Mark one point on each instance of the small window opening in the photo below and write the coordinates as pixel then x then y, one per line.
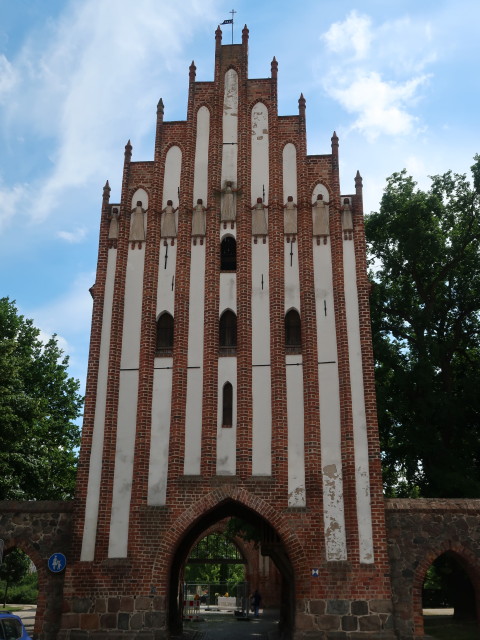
pixel 293 332
pixel 228 333
pixel 227 405
pixel 164 335
pixel 228 254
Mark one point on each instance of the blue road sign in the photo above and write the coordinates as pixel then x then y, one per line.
pixel 57 562
pixel 315 573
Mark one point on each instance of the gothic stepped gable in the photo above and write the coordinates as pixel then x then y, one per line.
pixel 231 374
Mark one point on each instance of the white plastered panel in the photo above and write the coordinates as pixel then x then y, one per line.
pixel 261 421
pixel 193 416
pixel 227 436
pixel 296 437
pixel 124 454
pixel 160 432
pixel 260 153
pixel 330 425
pixel 230 127
pixel 362 473
pixel 289 172
pixel 96 455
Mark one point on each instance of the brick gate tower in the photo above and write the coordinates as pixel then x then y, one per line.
pixel 230 372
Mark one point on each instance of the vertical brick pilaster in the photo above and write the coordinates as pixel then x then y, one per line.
pixel 111 412
pixel 92 374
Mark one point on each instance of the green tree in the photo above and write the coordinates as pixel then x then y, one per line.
pixel 13 568
pixel 425 266
pixel 39 404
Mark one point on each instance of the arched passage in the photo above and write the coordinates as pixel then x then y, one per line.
pixel 271 545
pixel 461 584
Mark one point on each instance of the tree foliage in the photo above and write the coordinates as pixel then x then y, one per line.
pixel 39 403
pixel 13 568
pixel 425 264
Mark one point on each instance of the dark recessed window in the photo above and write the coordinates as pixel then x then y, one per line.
pixel 228 333
pixel 293 332
pixel 164 335
pixel 227 405
pixel 228 254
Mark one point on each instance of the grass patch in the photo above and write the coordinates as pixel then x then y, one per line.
pixel 446 628
pixel 8 609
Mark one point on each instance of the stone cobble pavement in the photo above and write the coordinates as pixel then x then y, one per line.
pixel 227 626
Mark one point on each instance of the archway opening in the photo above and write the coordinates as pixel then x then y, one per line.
pixel 215 573
pixel 450 598
pixel 240 520
pixel 19 586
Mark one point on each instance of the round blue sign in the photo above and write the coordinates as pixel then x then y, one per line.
pixel 57 562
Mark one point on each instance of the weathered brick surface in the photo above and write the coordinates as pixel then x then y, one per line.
pixel 133 597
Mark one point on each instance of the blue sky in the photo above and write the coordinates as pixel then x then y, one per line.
pixel 397 79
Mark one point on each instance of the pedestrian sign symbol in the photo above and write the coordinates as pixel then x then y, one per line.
pixel 57 562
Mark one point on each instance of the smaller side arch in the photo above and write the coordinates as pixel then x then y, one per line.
pixel 465 558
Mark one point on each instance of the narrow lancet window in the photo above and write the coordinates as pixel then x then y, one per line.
pixel 293 332
pixel 227 405
pixel 164 335
pixel 228 333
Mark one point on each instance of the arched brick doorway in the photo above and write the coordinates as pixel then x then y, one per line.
pixel 271 543
pixel 465 559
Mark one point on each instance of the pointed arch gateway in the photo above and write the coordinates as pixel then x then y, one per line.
pixel 235 503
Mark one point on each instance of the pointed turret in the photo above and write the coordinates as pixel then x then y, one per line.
pixel 245 33
pixel 106 192
pixel 301 106
pixel 274 68
pixel 192 71
pixel 358 183
pixel 334 144
pixel 160 109
pixel 218 38
pixel 128 151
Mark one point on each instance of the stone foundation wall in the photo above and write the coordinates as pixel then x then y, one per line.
pixel 344 619
pixel 128 615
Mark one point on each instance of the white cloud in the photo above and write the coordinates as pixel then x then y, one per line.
pixel 380 106
pixel 352 35
pixel 8 77
pixel 11 199
pixel 73 237
pixel 377 72
pixel 90 79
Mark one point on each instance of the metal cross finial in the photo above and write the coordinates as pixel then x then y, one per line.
pixel 233 12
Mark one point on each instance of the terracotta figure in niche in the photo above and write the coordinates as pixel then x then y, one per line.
pixel 290 219
pixel 198 221
pixel 321 224
pixel 228 211
pixel 259 220
pixel 169 229
pixel 347 220
pixel 113 216
pixel 137 225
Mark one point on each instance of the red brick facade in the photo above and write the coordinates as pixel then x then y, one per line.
pixel 116 593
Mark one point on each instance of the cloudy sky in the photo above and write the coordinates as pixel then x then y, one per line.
pixel 397 79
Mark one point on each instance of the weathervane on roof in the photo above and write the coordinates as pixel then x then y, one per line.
pixel 233 12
